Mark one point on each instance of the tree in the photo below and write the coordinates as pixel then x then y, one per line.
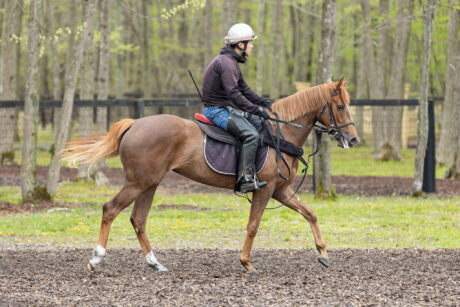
pixel 379 131
pixel 322 167
pixel 276 49
pixel 260 46
pixel 398 77
pixel 207 27
pixel 85 115
pixel 454 164
pixel 54 53
pixel 10 53
pixel 72 28
pixel 444 154
pixel 103 77
pixel 29 147
pixel 422 130
pixel 69 92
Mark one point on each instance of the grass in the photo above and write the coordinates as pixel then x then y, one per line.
pixel 350 222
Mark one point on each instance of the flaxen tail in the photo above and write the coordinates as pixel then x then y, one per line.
pixel 94 148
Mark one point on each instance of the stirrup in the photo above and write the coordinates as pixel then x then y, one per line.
pixel 250 185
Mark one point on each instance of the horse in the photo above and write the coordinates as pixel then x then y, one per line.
pixel 149 147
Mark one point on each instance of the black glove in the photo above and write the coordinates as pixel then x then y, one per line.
pixel 262 113
pixel 267 104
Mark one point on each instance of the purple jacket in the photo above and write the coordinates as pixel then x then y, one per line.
pixel 223 83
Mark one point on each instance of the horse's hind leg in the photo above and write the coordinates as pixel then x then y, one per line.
pixel 110 210
pixel 283 195
pixel 138 219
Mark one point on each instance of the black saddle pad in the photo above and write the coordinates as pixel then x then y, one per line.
pixel 221 157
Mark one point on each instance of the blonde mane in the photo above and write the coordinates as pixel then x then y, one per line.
pixel 307 101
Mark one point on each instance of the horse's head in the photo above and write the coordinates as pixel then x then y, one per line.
pixel 336 116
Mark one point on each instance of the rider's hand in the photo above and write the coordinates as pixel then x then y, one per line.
pixel 267 104
pixel 262 113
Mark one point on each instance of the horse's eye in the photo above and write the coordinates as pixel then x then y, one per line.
pixel 340 107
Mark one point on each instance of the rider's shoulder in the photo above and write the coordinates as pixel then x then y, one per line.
pixel 225 60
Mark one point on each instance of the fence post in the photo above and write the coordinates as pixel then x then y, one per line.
pixel 429 167
pixel 139 109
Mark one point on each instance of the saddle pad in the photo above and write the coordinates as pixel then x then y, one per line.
pixel 221 157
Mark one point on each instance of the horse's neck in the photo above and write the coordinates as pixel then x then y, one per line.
pixel 296 135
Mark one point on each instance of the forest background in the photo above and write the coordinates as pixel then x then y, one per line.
pixel 143 48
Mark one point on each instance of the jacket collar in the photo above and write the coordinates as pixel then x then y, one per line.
pixel 229 50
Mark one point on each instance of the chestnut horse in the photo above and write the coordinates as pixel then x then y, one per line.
pixel 150 147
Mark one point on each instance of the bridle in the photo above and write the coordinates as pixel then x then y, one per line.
pixel 334 129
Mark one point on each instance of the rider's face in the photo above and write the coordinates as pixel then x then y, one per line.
pixel 248 47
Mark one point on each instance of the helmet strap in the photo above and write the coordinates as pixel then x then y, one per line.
pixel 243 50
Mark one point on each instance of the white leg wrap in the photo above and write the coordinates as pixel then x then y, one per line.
pixel 153 262
pixel 98 255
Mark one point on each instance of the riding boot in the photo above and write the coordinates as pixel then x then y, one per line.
pixel 248 134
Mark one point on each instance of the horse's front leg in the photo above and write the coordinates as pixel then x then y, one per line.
pixel 283 195
pixel 259 202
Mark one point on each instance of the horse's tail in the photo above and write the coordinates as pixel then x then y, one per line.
pixel 94 148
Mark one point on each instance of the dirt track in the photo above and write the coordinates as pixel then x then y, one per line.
pixel 47 276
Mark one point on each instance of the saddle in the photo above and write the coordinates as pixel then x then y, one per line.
pixel 220 147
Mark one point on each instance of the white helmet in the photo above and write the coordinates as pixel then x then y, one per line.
pixel 240 32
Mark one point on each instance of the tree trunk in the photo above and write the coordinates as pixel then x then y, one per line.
pixel 397 78
pixel 69 92
pixel 54 53
pixel 145 49
pixel 260 47
pixel 72 25
pixel 322 168
pixel 104 61
pixel 379 131
pixel 85 115
pixel 103 78
pixel 444 154
pixel 276 49
pixel 361 85
pixel 422 127
pixel 10 69
pixel 29 158
pixel 208 26
pixel 454 164
pixel 229 14
pixel 2 7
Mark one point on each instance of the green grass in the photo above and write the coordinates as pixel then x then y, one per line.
pixel 358 222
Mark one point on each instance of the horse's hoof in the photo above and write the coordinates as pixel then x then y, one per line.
pixel 89 268
pixel 157 267
pixel 253 273
pixel 324 261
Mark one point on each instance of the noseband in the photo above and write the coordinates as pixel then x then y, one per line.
pixel 334 129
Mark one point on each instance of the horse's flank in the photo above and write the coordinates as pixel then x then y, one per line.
pixel 306 101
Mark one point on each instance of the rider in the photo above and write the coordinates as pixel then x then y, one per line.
pixel 232 105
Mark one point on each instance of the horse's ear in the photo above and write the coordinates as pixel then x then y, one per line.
pixel 345 83
pixel 339 84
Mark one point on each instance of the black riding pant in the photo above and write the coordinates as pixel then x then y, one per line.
pixel 245 127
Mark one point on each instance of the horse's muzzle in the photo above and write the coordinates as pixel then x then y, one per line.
pixel 348 141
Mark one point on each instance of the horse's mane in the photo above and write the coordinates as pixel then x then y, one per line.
pixel 307 101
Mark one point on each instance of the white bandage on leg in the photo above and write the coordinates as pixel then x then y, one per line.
pixel 98 255
pixel 153 262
